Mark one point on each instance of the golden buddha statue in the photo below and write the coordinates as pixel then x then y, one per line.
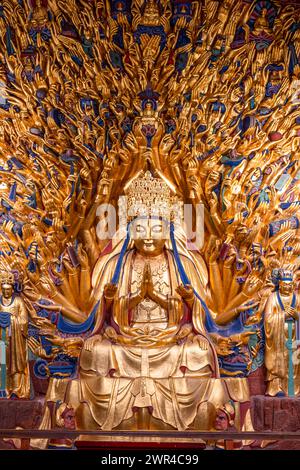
pixel 39 16
pixel 149 363
pixel 151 14
pixel 261 24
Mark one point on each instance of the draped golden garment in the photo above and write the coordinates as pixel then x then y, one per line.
pixel 170 378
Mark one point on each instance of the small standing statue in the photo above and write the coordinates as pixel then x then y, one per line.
pixel 280 331
pixel 15 380
pixel 225 422
pixel 65 419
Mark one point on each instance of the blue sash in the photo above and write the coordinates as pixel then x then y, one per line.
pixel 4 319
pixel 4 324
pixel 66 326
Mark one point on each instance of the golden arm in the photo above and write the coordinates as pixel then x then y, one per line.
pixel 216 283
pixel 85 286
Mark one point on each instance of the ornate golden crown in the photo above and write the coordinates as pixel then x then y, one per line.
pixel 6 277
pixel 150 196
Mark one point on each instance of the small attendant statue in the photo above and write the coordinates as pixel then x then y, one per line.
pixel 15 380
pixel 65 419
pixel 224 422
pixel 280 317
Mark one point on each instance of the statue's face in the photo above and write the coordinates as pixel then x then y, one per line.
pixel 286 287
pixel 241 232
pixel 221 422
pixel 70 419
pixel 7 290
pixel 149 236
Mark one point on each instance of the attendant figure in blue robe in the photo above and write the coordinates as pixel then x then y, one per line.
pixel 15 379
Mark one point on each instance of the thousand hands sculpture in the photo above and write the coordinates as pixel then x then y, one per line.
pixel 211 103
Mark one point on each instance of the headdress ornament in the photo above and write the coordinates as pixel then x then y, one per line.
pixel 150 196
pixel 229 410
pixel 7 277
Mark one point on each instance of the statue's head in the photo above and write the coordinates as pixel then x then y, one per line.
pixel 264 12
pixel 286 282
pixel 241 233
pixel 149 235
pixel 39 4
pixel 221 421
pixel 150 3
pixel 225 417
pixel 148 105
pixel 7 285
pixel 66 417
pixel 7 290
pixel 69 418
pixel 151 207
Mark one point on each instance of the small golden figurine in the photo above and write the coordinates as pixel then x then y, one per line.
pixel 14 326
pixel 281 308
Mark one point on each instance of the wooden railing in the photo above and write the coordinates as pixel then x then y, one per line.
pixel 189 435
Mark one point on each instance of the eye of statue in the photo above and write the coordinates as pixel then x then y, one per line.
pixel 140 229
pixel 157 229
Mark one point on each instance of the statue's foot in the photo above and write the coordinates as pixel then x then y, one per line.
pixel 280 394
pixel 143 418
pixel 14 397
pixel 159 425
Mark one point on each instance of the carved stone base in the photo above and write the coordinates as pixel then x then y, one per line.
pixel 275 414
pixel 268 414
pixel 278 445
pixel 25 414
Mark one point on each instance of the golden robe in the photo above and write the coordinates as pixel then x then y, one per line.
pixel 171 378
pixel 276 352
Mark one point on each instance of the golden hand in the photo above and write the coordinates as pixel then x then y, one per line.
pixel 37 349
pixel 186 292
pixel 111 333
pixel 242 338
pixel 109 292
pixel 81 208
pixel 202 342
pixel 83 257
pixel 214 251
pixel 44 323
pixel 147 284
pixel 184 331
pixel 291 312
pixel 213 203
pixel 252 285
pixel 147 289
pixel 231 257
pixel 90 343
pixel 69 267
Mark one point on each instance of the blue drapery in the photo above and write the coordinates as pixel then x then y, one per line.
pixel 4 319
pixel 236 326
pixel 66 326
